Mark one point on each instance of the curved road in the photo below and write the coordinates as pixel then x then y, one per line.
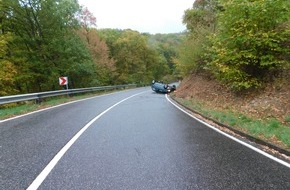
pixel 133 139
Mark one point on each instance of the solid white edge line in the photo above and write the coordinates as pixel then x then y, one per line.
pixel 48 108
pixel 231 137
pixel 45 172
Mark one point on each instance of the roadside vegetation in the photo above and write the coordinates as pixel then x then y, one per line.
pixel 13 109
pixel 244 44
pixel 235 65
pixel 268 129
pixel 41 41
pixel 233 59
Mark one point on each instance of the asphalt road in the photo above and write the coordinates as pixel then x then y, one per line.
pixel 143 142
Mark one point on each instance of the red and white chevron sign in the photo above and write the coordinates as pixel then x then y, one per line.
pixel 63 80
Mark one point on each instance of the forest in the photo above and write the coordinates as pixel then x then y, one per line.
pixel 235 65
pixel 244 44
pixel 238 42
pixel 41 41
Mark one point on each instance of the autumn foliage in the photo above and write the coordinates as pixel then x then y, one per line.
pixel 243 43
pixel 43 40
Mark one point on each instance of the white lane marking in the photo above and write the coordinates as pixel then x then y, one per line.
pixel 12 118
pixel 41 177
pixel 231 137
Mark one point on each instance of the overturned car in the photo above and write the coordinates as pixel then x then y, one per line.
pixel 160 87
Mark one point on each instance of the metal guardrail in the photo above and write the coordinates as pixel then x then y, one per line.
pixel 41 95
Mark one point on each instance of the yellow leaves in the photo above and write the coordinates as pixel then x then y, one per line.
pixel 4 39
pixel 222 67
pixel 7 77
pixel 7 70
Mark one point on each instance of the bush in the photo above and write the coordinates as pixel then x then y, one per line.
pixel 250 42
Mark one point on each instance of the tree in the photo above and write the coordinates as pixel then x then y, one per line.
pixel 7 69
pixel 104 66
pixel 110 36
pixel 130 64
pixel 45 45
pixel 166 45
pixel 201 16
pixel 87 19
pixel 251 42
pixel 148 56
pixel 200 22
pixel 135 60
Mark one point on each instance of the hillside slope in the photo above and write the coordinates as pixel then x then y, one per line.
pixel 256 113
pixel 271 102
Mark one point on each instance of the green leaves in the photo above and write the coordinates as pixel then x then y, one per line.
pixel 132 55
pixel 250 39
pixel 201 23
pixel 7 69
pixel 45 44
pixel 43 40
pixel 140 58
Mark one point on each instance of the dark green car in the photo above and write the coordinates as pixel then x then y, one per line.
pixel 160 87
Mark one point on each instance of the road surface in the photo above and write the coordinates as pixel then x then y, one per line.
pixel 133 139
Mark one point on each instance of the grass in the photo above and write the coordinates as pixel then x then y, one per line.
pixel 287 119
pixel 267 129
pixel 270 130
pixel 14 109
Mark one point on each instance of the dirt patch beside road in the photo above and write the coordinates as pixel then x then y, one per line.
pixel 271 102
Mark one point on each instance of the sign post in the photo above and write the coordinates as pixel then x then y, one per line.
pixel 63 81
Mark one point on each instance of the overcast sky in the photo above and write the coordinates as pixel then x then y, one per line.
pixel 152 16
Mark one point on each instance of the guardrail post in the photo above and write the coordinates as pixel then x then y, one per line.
pixel 38 100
